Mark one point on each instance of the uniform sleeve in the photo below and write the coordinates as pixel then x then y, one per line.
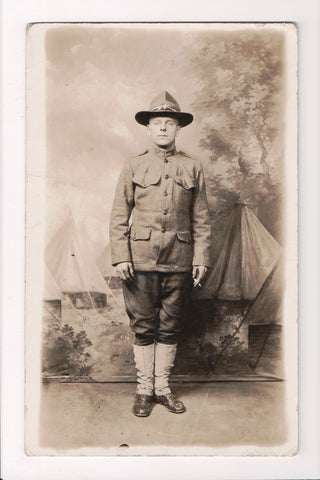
pixel 200 223
pixel 120 215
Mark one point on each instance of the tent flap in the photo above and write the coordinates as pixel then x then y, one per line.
pixel 71 263
pixel 245 255
pixel 51 290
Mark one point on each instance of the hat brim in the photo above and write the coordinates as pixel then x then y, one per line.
pixel 183 118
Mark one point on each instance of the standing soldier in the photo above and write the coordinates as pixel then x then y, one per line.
pixel 160 241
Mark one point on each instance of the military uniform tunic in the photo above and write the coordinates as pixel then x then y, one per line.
pixel 159 219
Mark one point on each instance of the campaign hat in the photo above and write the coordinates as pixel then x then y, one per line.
pixel 164 105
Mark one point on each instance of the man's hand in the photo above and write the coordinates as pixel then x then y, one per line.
pixel 125 271
pixel 198 273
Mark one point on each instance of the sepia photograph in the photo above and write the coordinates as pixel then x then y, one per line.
pixel 161 249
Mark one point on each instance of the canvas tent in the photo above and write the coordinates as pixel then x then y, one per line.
pixel 267 306
pixel 243 257
pixel 263 319
pixel 51 291
pixel 243 289
pixel 73 267
pixel 52 296
pixel 107 270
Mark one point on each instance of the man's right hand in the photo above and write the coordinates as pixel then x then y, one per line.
pixel 125 271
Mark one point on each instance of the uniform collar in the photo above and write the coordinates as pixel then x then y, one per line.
pixel 163 152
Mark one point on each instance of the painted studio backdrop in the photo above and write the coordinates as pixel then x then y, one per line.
pixel 233 81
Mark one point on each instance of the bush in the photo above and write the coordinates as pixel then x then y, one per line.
pixel 64 352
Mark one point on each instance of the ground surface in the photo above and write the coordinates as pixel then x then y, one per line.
pixel 96 419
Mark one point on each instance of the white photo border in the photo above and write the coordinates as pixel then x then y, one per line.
pixel 15 463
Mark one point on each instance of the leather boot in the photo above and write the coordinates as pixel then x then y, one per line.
pixel 142 405
pixel 144 360
pixel 171 402
pixel 164 361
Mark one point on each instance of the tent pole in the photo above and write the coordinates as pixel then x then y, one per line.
pixel 227 258
pixel 241 260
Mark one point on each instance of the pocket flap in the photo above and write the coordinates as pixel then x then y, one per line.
pixel 141 233
pixel 186 182
pixel 184 237
pixel 146 178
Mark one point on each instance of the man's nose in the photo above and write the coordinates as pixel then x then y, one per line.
pixel 163 127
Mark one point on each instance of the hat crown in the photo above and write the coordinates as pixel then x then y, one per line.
pixel 164 105
pixel 164 102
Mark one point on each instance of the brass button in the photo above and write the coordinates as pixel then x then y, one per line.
pixel 166 176
pixel 163 230
pixel 165 194
pixel 166 160
pixel 165 212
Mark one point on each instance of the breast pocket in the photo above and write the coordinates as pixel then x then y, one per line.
pixel 140 244
pixel 146 189
pixel 145 179
pixel 183 191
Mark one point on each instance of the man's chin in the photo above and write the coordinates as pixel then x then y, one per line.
pixel 164 144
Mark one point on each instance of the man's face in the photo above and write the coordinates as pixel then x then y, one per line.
pixel 163 130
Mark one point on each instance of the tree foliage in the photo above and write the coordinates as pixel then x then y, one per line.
pixel 241 104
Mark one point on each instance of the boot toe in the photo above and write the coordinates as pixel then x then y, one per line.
pixel 171 402
pixel 142 405
pixel 178 406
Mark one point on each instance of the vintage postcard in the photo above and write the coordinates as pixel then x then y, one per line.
pixel 161 239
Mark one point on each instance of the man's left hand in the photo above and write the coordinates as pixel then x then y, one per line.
pixel 198 274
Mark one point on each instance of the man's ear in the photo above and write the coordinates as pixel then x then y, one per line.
pixel 178 130
pixel 148 129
